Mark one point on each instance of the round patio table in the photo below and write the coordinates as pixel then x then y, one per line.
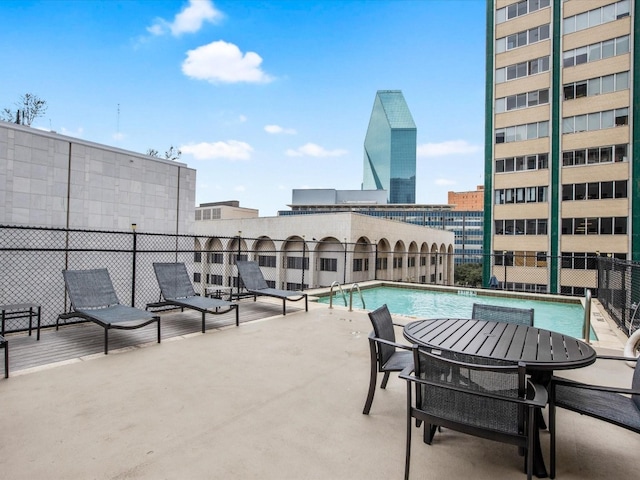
pixel 539 349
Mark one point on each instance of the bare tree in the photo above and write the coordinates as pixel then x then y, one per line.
pixel 172 154
pixel 29 107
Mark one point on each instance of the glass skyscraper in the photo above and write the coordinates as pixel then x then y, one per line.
pixel 390 148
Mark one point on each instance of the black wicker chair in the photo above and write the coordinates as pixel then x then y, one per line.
pixel 93 298
pixel 483 397
pixel 254 282
pixel 384 355
pixel 497 313
pixel 176 289
pixel 4 343
pixel 619 406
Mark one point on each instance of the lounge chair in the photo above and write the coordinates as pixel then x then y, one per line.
pixel 93 298
pixel 384 354
pixel 5 344
pixel 176 289
pixel 497 313
pixel 255 284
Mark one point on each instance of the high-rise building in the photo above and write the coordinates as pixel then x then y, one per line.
pixel 561 169
pixel 390 148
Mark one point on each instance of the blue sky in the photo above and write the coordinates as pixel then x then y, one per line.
pixel 262 97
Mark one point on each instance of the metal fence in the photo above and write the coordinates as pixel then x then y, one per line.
pixel 33 258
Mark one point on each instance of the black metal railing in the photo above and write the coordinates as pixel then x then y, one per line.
pixel 33 258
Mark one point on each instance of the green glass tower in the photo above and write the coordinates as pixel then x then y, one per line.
pixel 390 148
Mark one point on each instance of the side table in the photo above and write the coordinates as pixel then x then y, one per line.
pixel 21 310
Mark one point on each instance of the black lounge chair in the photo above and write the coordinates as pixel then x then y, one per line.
pixel 4 343
pixel 384 354
pixel 619 406
pixel 176 289
pixel 254 282
pixel 497 313
pixel 483 397
pixel 93 298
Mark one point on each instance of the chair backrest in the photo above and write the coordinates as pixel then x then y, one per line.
pixel 173 280
pixel 471 390
pixel 90 289
pixel 383 328
pixel 496 313
pixel 251 275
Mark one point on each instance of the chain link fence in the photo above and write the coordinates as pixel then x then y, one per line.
pixel 33 259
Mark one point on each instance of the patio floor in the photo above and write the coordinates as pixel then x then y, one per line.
pixel 276 398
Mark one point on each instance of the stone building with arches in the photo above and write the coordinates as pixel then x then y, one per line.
pixel 315 250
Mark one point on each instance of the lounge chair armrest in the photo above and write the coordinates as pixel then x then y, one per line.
pixel 387 342
pixel 406 373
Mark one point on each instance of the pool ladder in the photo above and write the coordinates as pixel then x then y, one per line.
pixel 344 296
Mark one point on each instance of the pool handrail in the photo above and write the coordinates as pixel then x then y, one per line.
pixel 344 296
pixel 355 285
pixel 586 329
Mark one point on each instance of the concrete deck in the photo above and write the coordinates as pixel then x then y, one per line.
pixel 279 398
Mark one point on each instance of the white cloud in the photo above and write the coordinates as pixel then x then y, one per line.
pixel 240 188
pixel 313 150
pixel 452 147
pixel 444 182
pixel 118 136
pixel 276 129
pixel 71 133
pixel 189 20
pixel 230 150
pixel 224 62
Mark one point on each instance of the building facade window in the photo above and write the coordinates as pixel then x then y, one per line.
pixel 520 8
pixel 523 69
pixel 594 226
pixel 594 190
pixel 595 17
pixel 521 195
pixel 267 260
pixel 521 226
pixel 611 153
pixel 521 39
pixel 596 86
pixel 515 164
pixel 596 121
pixel 328 264
pixel 522 100
pixel 596 51
pixel 296 263
pixel 518 133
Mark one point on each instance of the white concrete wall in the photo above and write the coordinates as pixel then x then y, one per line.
pixel 52 180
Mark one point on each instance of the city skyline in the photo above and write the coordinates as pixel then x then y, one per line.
pixel 261 98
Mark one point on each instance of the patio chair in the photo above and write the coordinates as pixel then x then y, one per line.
pixel 383 348
pixel 619 406
pixel 4 343
pixel 93 298
pixel 176 289
pixel 497 313
pixel 254 282
pixel 484 397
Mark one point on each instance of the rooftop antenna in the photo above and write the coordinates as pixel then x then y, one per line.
pixel 118 122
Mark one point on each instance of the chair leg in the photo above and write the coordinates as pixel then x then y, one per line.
pixel 552 442
pixel 159 336
pixel 203 315
pixel 373 377
pixel 6 359
pixel 407 459
pixel 284 306
pixel 237 316
pixel 385 380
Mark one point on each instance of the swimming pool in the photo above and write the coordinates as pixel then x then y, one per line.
pixel 561 317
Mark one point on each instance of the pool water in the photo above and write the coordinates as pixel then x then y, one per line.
pixel 566 318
